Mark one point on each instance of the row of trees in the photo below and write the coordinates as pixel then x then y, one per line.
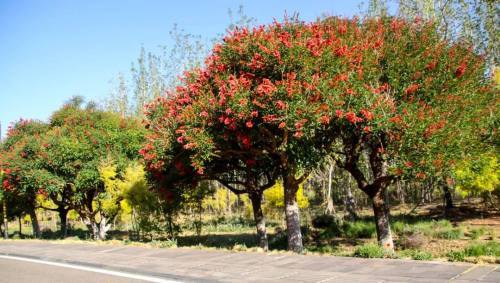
pixel 385 98
pixel 62 161
pixel 381 99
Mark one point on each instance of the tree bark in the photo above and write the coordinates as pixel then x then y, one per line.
pixel 260 221
pixel 103 228
pixel 292 214
pixel 91 226
pixel 381 213
pixel 5 220
pixel 34 223
pixel 349 201
pixel 330 209
pixel 63 216
pixel 376 190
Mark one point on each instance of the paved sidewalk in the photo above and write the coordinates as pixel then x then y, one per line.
pixel 191 265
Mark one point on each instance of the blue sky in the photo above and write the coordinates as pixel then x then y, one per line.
pixel 51 50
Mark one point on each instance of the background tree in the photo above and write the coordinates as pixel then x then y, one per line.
pixel 75 147
pixel 23 176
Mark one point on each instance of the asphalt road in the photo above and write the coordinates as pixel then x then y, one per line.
pixel 192 265
pixel 22 271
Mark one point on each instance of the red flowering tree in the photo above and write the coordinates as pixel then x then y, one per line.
pixel 409 105
pixel 23 178
pixel 256 98
pixel 384 92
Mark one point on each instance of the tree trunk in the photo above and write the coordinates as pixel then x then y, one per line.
pixel 34 223
pixel 448 199
pixel 103 228
pixel 349 202
pixel 381 213
pixel 91 226
pixel 292 215
pixel 330 209
pixel 400 192
pixel 63 216
pixel 260 221
pixel 5 220
pixel 20 221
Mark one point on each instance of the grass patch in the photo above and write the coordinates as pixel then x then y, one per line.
pixel 491 249
pixel 442 229
pixel 450 234
pixel 483 249
pixel 421 255
pixel 456 256
pixel 477 233
pixel 358 229
pixel 369 251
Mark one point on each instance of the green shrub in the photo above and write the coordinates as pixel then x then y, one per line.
pixel 369 251
pixel 421 255
pixel 359 229
pixel 456 256
pixel 483 249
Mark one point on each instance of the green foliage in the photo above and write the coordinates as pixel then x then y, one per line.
pixel 61 160
pixel 369 251
pixel 359 229
pixel 479 174
pixel 491 248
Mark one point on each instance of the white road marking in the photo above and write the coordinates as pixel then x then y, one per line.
pixel 93 269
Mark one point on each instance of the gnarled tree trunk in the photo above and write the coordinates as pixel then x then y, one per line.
pixel 260 221
pixel 376 190
pixel 382 224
